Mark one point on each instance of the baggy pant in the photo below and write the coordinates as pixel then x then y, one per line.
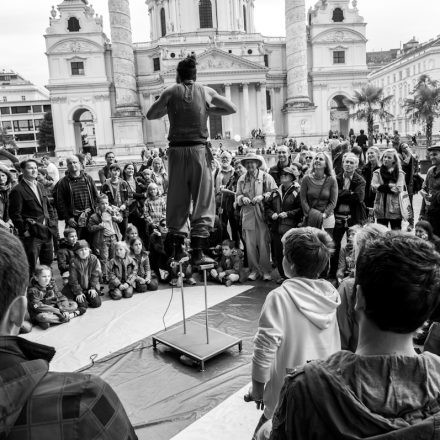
pixel 258 249
pixel 190 179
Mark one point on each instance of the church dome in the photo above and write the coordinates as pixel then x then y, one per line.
pixel 170 17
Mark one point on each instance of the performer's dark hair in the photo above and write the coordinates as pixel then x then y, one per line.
pixel 187 68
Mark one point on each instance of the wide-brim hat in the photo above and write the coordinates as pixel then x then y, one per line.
pixel 251 156
pixel 435 147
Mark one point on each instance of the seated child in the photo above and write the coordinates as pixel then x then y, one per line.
pixel 65 252
pixel 84 275
pixel 158 257
pixel 229 265
pixel 122 273
pixel 144 179
pixel 187 273
pixel 103 225
pixel 155 206
pixel 46 304
pixel 145 280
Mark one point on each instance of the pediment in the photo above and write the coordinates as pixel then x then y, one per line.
pixel 219 60
pixel 75 46
pixel 341 35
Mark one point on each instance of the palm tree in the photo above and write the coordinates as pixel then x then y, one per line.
pixel 425 106
pixel 369 104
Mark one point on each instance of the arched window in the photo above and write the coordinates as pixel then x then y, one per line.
pixel 338 15
pixel 244 18
pixel 163 22
pixel 205 13
pixel 73 25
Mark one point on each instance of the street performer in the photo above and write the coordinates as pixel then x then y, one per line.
pixel 188 105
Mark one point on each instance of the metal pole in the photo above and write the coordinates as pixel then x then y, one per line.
pixel 206 306
pixel 182 295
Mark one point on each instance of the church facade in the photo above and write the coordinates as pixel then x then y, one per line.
pixel 288 87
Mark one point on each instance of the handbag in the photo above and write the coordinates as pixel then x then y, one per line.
pixel 417 183
pixel 406 208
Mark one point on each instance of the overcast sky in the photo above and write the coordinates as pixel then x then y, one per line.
pixel 23 23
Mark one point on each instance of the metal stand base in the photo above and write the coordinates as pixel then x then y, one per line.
pixel 193 343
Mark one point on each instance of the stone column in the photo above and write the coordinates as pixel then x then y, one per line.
pixel 228 119
pixel 246 130
pixel 296 53
pixel 263 90
pixel 127 100
pixel 260 120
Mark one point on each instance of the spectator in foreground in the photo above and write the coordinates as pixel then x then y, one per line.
pixel 26 384
pixel 385 390
pixel 298 319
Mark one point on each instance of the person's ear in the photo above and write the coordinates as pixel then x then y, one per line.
pixel 15 315
pixel 360 299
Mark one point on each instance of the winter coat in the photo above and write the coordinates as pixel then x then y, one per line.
pixel 42 405
pixel 290 203
pixel 353 198
pixel 64 196
pixel 94 226
pixel 232 264
pixel 367 174
pixel 64 256
pixel 347 396
pixel 122 270
pixel 276 170
pixel 297 324
pixel 84 274
pixel 44 299
pixel 125 193
pixel 143 265
pixel 4 195
pixel 386 204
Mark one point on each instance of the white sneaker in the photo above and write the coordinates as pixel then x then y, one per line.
pixel 267 277
pixel 252 276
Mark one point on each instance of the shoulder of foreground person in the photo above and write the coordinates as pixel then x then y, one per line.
pixel 73 405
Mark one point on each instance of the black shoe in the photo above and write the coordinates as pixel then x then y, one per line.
pixel 173 246
pixel 199 258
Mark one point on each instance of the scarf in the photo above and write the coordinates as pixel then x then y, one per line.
pixel 387 176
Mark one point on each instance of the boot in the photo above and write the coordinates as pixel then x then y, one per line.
pixel 174 246
pixel 198 244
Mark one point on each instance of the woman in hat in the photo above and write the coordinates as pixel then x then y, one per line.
pixel 253 188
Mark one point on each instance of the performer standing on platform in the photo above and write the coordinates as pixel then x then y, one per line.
pixel 188 105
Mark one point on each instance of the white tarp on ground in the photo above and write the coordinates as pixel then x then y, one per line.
pixel 117 324
pixel 232 419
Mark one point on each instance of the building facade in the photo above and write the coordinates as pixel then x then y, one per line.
pixel 288 87
pixel 399 76
pixel 22 108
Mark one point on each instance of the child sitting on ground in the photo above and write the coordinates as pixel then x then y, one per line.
pixel 84 275
pixel 65 253
pixel 122 273
pixel 155 206
pixel 230 264
pixel 145 280
pixel 103 225
pixel 46 304
pixel 187 273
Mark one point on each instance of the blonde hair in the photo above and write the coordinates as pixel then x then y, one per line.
pixel 123 245
pixel 395 154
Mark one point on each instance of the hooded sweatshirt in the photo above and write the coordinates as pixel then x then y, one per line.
pixel 356 397
pixel 297 324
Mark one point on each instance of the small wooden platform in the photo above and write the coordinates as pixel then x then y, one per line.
pixel 193 344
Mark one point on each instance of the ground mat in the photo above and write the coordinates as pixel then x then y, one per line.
pixel 161 394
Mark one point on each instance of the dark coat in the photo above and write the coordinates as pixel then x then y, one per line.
pixel 275 172
pixel 367 174
pixel 28 214
pixel 353 197
pixel 64 197
pixel 290 203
